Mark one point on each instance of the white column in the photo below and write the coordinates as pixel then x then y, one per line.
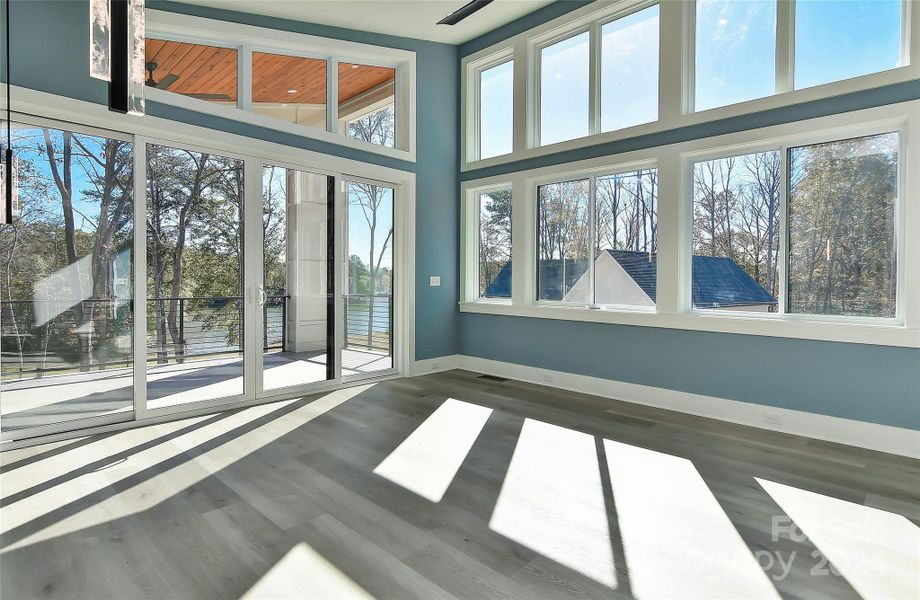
pixel 307 262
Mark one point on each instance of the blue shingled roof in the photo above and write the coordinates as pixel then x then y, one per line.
pixel 717 281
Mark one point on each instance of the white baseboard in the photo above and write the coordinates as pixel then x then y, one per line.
pixel 434 365
pixel 883 438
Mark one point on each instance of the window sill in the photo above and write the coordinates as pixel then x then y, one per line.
pixel 786 326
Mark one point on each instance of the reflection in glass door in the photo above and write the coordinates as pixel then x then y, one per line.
pixel 298 338
pixel 194 299
pixel 368 301
pixel 66 307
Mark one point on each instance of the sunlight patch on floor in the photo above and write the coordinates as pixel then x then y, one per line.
pixel 552 501
pixel 304 573
pixel 160 486
pixel 427 461
pixel 677 540
pixel 293 373
pixel 878 552
pixel 44 470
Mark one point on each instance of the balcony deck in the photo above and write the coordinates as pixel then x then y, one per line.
pixel 46 400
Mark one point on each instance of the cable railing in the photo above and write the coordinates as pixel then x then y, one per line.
pixel 369 322
pixel 48 337
pixel 45 337
pixel 96 335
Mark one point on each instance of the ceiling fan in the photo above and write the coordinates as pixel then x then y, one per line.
pixel 168 80
pixel 463 12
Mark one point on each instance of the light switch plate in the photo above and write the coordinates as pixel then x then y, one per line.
pixel 434 281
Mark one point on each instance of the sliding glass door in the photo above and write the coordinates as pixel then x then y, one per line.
pixel 195 310
pixel 301 300
pixel 296 296
pixel 66 261
pixel 368 302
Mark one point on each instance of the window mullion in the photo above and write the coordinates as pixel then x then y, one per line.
pixel 522 111
pixel 672 239
pixel 244 77
pixel 140 277
pixel 782 266
pixel 785 46
pixel 592 235
pixel 474 278
pixel 523 242
pixel 594 79
pixel 332 95
pixel 675 59
pixel 476 112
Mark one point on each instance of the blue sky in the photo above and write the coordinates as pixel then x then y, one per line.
pixel 28 144
pixel 359 234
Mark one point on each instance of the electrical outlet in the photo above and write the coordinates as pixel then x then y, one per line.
pixel 547 378
pixel 772 418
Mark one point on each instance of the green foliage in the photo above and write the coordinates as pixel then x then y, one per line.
pixel 842 257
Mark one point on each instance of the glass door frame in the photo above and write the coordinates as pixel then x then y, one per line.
pixel 128 414
pixel 140 135
pixel 141 410
pixel 396 296
pixel 255 262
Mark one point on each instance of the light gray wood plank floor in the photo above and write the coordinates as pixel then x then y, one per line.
pixel 451 485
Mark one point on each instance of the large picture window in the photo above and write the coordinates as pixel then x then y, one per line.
pixel 736 232
pixel 842 244
pixel 596 240
pixel 799 230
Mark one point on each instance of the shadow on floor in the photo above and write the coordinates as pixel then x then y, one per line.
pixel 287 495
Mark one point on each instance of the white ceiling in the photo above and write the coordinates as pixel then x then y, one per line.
pixel 406 18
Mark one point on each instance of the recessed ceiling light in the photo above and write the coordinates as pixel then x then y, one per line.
pixel 292 91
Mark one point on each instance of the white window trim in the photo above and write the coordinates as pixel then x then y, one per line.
pixel 248 38
pixel 675 203
pixel 675 73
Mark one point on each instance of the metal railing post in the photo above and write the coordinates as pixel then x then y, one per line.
pixel 284 300
pixel 181 354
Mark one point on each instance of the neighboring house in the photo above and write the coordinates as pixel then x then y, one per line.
pixel 629 278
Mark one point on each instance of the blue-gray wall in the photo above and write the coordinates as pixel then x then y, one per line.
pixel 50 41
pixel 870 383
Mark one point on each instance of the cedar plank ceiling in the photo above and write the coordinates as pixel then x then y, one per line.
pixel 211 70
